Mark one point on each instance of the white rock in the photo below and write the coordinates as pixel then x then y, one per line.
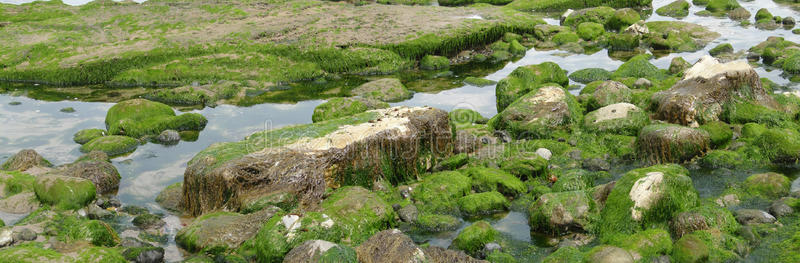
pixel 5 237
pixel 709 67
pixel 638 29
pixel 544 153
pixel 645 193
pixel 328 223
pixel 292 223
pixel 321 245
pixel 615 111
pixel 566 14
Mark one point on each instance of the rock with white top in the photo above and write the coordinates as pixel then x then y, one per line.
pixel 619 118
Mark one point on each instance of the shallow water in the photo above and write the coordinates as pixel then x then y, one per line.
pixel 41 126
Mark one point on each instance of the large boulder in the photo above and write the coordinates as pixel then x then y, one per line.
pixel 610 92
pixel 64 192
pixel 707 88
pixel 111 145
pixel 666 143
pixel 140 117
pixel 608 254
pixel 474 237
pixel 526 79
pixel 24 160
pixel 94 167
pixel 539 113
pixel 358 211
pixel 561 212
pixel 222 231
pixel 620 118
pixel 390 246
pixel 647 197
pixel 306 159
pixel 767 185
pixel 388 90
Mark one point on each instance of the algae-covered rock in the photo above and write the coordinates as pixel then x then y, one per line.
pixel 388 90
pixel 390 246
pixel 703 218
pixel 64 192
pixel 678 36
pixel 598 15
pixel 539 113
pixel 437 223
pixel 620 118
pixel 473 238
pixel 678 65
pixel 339 107
pixel 706 88
pixel 646 245
pixel 358 212
pixel 608 254
pixel 430 62
pixel 690 249
pixel 321 251
pixel 111 145
pixel 96 168
pixel 344 151
pixel 437 254
pixel 285 231
pixel 590 30
pixel 767 185
pixel 623 42
pixel 170 197
pixel 488 179
pixel 623 18
pixel 709 246
pixel 439 192
pixel 24 160
pixel 485 203
pixel 664 143
pixel 610 92
pixel 140 117
pixel 719 132
pixel 721 6
pixel 565 254
pixel 646 197
pixel 561 212
pixel 33 252
pixel 588 75
pixel 565 37
pixel 222 231
pixel 86 135
pixel 479 82
pixel 526 79
pixel 678 9
pixel 637 67
pixel 724 48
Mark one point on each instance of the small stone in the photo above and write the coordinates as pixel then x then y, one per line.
pixel 68 110
pixel 169 137
pixel 15 103
pixel 544 153
pixel 96 212
pixel 779 208
pixel 753 216
pixel 6 237
pixel 728 200
pixel 408 213
pixel 642 83
pixel 596 164
pixel 491 247
pixel 24 234
pixel 575 155
pixel 788 21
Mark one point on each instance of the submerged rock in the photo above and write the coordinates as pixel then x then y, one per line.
pixel 283 161
pixel 539 113
pixel 24 160
pixel 707 88
pixel 388 90
pixel 340 107
pixel 168 137
pixel 679 8
pixel 111 145
pixel 475 237
pixel 767 185
pixel 390 246
pixel 666 143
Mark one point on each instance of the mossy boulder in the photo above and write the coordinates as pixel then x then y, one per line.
pixel 283 232
pixel 485 203
pixel 439 192
pixel 767 185
pixel 598 15
pixel 690 249
pixel 719 132
pixel 72 228
pixel 539 113
pixel 489 179
pixel 638 67
pixel 724 48
pixel 678 65
pixel 86 135
pixel 722 159
pixel 339 107
pixel 140 117
pixel 665 143
pixel 321 251
pixel 64 192
pixel 678 9
pixel 620 118
pixel 608 254
pixel 623 42
pixel 437 223
pixel 678 36
pixel 588 75
pixel 561 212
pixel 623 18
pixel 610 92
pixel 24 160
pixel 170 197
pixel 645 198
pixel 574 180
pixel 565 37
pixel 431 62
pixel 222 231
pixel 96 168
pixel 707 88
pixel 721 6
pixel 479 82
pixel 763 13
pixel 112 145
pixel 461 117
pixel 358 212
pixel 780 146
pixel 565 254
pixel 709 216
pixel 590 31
pixel 388 90
pixel 390 246
pixel 526 79
pixel 474 237
pixel 32 252
pixel 646 245
pixel 742 111
pixel 709 246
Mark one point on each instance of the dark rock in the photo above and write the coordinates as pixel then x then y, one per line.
pixel 145 254
pixel 223 230
pixel 24 160
pixel 96 212
pixel 95 167
pixel 753 216
pixel 688 222
pixel 503 136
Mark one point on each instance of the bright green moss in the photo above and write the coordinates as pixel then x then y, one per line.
pixel 139 117
pixel 337 108
pixel 721 247
pixel 623 42
pixel 590 30
pixel 574 180
pixel 64 192
pixel 767 185
pixel 588 75
pixel 721 49
pixel 473 238
pixel 623 18
pixel 792 64
pixel 565 254
pixel 631 124
pixel 32 252
pixel 516 48
pixel 461 117
pixel 690 249
pixel 488 179
pixel 561 212
pixel 454 162
pixel 478 82
pixel 100 254
pixel 753 130
pixel 527 79
pixel 779 145
pixel 525 166
pixel 677 36
pixel 716 6
pixel 719 132
pixel 358 212
pixel 722 159
pixel 717 217
pixel 485 203
pixel 743 112
pixel 112 145
pixel 271 243
pixel 71 228
pixel 638 67
pixel 562 5
pixel 649 244
pixel 86 135
pixel 16 182
pixel 437 223
pixel 678 9
pixel 565 37
pixel 439 192
pixel 430 62
pixel 501 257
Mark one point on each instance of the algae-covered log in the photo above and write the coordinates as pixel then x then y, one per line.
pixel 706 88
pixel 396 144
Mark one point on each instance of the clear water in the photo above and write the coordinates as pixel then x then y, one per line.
pixel 41 126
